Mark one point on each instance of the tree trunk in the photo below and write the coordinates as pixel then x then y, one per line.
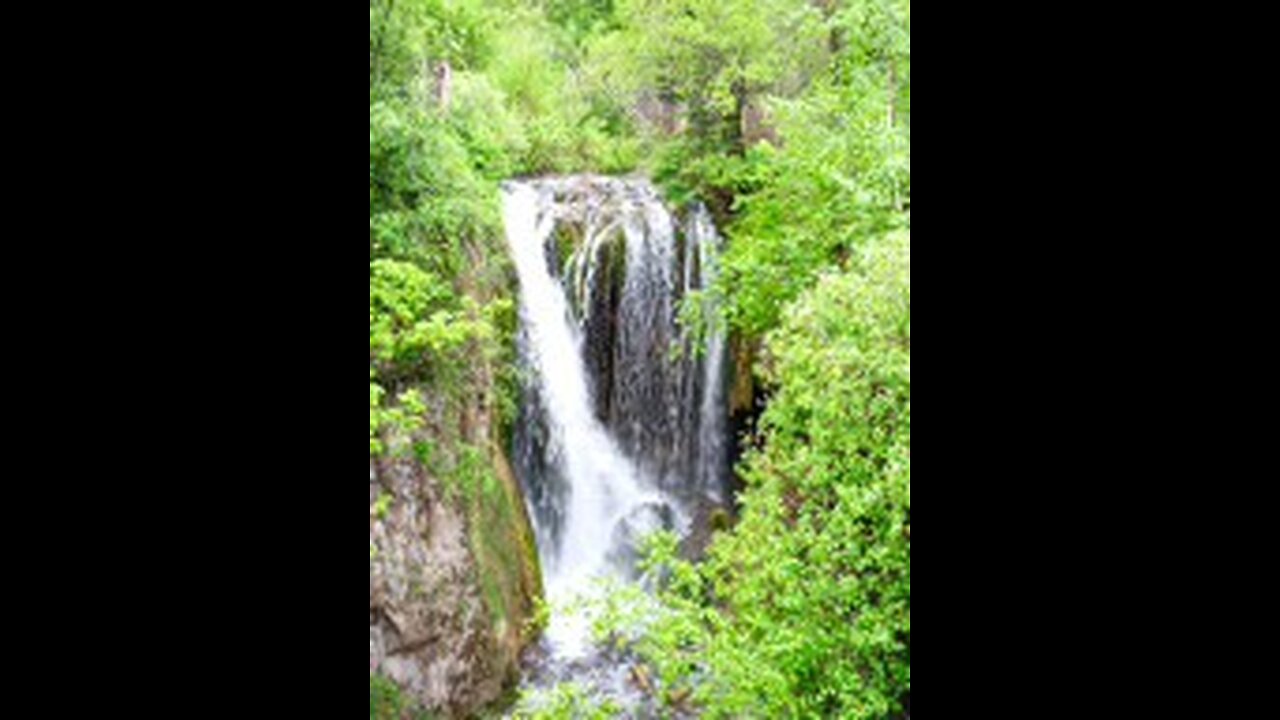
pixel 444 85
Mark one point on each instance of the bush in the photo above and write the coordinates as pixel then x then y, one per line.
pixel 804 608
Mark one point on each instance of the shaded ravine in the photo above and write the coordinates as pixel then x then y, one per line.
pixel 622 428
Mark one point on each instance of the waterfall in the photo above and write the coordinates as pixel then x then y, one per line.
pixel 622 424
pixel 713 447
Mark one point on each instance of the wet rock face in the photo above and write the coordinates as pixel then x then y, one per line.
pixel 535 457
pixel 429 631
pixel 601 324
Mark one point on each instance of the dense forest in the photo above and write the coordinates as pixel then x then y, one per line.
pixel 790 122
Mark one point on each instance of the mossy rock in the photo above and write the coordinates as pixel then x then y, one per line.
pixel 565 241
pixel 720 520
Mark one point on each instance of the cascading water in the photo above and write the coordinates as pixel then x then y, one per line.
pixel 622 427
pixel 712 436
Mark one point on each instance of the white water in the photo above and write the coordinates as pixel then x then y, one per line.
pixel 711 429
pixel 603 485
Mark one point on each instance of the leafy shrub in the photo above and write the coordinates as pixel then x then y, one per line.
pixel 804 608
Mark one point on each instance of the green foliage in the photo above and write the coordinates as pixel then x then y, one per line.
pixel 706 61
pixel 582 18
pixel 415 323
pixel 843 175
pixel 418 332
pixel 437 282
pixel 427 197
pixel 567 124
pixel 387 703
pixel 566 701
pixel 405 33
pixel 804 608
